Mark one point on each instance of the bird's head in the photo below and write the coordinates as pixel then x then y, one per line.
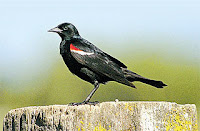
pixel 65 30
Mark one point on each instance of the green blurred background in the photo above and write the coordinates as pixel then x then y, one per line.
pixel 156 39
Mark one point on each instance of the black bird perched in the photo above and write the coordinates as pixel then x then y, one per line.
pixel 92 64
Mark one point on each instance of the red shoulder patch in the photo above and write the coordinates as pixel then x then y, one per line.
pixel 74 48
pixel 78 51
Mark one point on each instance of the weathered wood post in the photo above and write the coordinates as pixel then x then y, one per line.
pixel 112 116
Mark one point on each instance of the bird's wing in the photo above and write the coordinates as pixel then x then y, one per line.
pixel 116 61
pixel 86 46
pixel 94 59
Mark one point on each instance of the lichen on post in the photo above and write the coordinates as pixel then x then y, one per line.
pixel 127 115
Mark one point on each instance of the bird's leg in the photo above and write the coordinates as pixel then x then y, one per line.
pixel 96 86
pixel 86 101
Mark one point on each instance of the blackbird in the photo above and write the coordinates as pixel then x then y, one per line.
pixel 92 64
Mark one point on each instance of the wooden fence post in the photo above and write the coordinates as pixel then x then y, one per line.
pixel 112 116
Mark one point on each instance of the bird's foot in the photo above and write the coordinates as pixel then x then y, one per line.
pixel 84 103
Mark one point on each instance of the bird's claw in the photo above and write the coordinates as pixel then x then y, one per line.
pixel 84 103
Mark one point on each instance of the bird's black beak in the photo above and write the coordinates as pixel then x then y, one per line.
pixel 56 29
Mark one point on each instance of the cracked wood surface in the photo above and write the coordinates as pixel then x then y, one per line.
pixel 112 116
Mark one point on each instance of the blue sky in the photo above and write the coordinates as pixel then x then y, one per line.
pixel 27 49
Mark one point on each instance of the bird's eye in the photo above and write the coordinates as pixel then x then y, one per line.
pixel 65 28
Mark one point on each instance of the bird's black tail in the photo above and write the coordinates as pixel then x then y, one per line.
pixel 158 84
pixel 131 76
